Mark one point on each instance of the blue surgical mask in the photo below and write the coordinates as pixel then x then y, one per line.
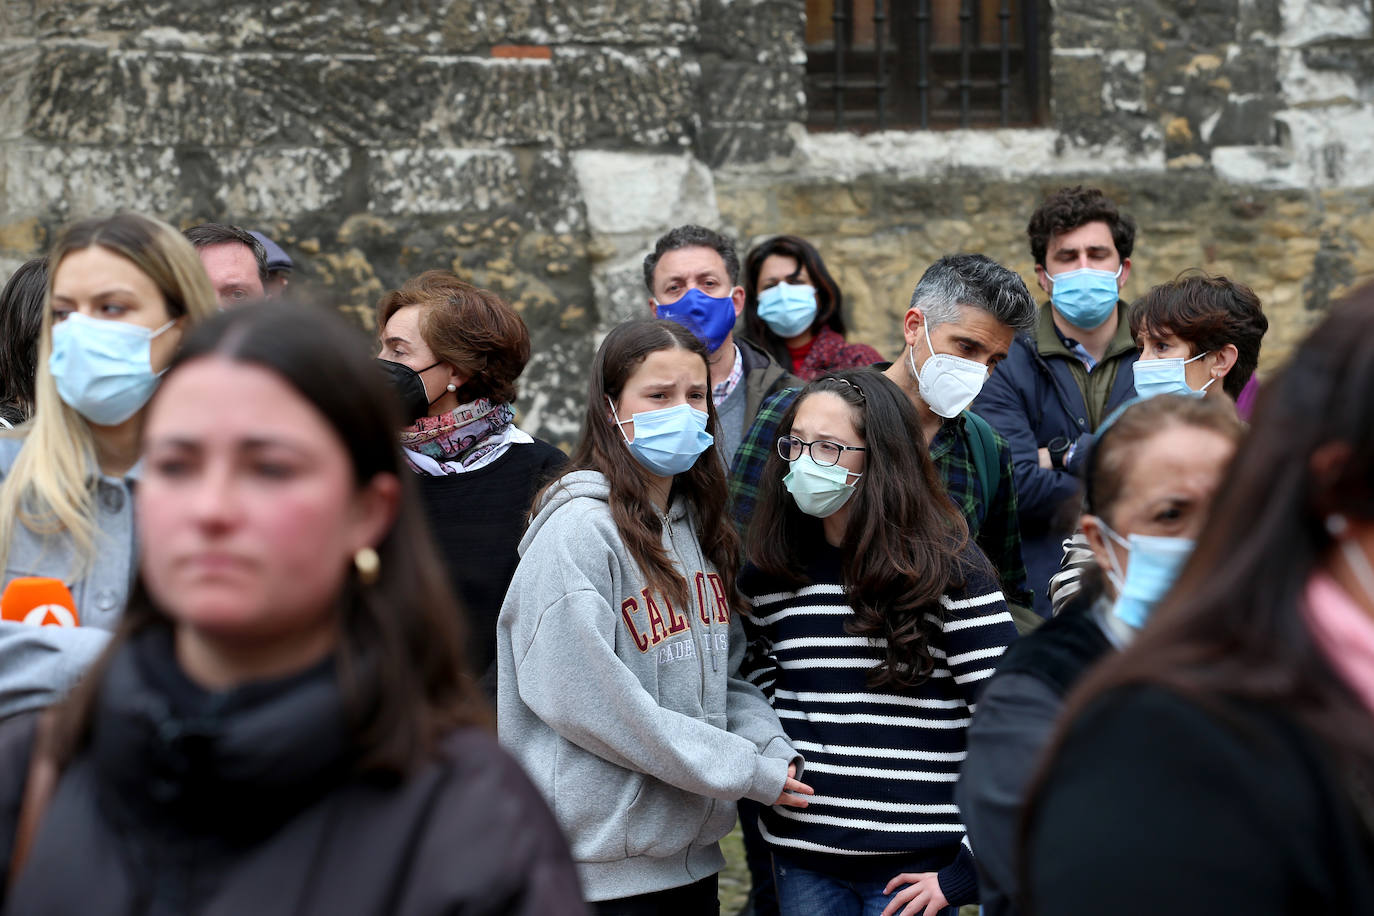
pixel 789 309
pixel 667 441
pixel 709 318
pixel 1166 376
pixel 103 369
pixel 1153 565
pixel 1086 297
pixel 819 491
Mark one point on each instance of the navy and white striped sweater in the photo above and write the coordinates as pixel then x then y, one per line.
pixel 883 762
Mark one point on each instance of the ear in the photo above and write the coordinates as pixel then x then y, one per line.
pixel 1097 541
pixel 1224 360
pixel 911 326
pixel 653 308
pixel 737 294
pixel 1042 278
pixel 456 379
pixel 376 505
pixel 1125 273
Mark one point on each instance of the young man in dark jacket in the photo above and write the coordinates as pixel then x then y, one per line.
pixel 693 278
pixel 1060 383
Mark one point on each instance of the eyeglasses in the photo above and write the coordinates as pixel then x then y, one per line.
pixel 823 452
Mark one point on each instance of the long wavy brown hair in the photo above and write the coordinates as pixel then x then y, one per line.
pixel 602 448
pixel 905 544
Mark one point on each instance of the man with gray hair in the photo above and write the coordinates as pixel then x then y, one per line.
pixel 963 316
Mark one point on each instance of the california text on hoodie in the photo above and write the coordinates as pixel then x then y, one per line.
pixel 625 709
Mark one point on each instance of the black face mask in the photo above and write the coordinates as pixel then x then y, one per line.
pixel 410 387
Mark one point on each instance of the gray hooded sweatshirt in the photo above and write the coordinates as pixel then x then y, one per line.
pixel 626 710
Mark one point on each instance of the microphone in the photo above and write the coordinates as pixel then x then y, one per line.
pixel 39 601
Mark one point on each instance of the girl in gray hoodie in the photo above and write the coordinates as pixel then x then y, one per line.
pixel 618 646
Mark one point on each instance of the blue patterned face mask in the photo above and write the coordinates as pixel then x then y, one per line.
pixel 103 369
pixel 1166 376
pixel 1152 567
pixel 788 309
pixel 667 441
pixel 1086 297
pixel 711 319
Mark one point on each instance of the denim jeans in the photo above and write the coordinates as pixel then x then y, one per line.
pixel 804 892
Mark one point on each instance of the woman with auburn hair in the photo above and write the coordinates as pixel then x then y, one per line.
pixel 122 292
pixel 283 721
pixel 877 622
pixel 619 641
pixel 454 352
pixel 794 309
pixel 1224 761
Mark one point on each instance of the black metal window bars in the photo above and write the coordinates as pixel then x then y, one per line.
pixel 907 71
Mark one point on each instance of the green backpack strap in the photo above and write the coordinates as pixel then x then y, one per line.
pixel 982 445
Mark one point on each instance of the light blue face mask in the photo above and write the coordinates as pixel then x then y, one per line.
pixel 103 369
pixel 667 441
pixel 789 309
pixel 819 491
pixel 1085 297
pixel 1152 567
pixel 1166 376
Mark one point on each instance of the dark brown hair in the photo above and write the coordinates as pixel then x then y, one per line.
pixel 21 323
pixel 1207 313
pixel 1067 209
pixel 400 659
pixel 208 234
pixel 602 448
pixel 829 299
pixel 471 329
pixel 1232 627
pixel 904 545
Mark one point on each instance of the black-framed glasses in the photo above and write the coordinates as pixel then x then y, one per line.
pixel 823 451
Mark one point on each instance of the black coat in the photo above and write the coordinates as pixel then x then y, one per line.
pixel 1156 805
pixel 250 803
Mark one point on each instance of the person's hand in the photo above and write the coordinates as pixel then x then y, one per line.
pixel 793 789
pixel 1045 461
pixel 921 897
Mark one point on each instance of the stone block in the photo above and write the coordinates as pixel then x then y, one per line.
pixel 643 195
pixel 63 184
pixel 725 145
pixel 406 181
pixel 1090 24
pixel 747 93
pixel 1246 121
pixel 770 33
pixel 645 97
pixel 17 19
pixel 275 183
pixel 660 22
pixel 1077 88
pixel 16 66
pixel 1308 21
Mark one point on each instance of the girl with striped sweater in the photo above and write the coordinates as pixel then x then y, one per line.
pixel 875 622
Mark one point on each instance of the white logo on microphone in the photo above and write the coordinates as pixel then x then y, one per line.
pixel 62 617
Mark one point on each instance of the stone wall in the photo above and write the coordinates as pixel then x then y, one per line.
pixel 538 148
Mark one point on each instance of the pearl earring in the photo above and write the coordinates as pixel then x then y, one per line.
pixel 452 387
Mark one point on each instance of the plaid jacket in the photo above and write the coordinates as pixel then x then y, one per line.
pixel 999 535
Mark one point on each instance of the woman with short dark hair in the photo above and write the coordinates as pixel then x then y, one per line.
pixel 454 352
pixel 794 309
pixel 1223 762
pixel 283 722
pixel 1194 332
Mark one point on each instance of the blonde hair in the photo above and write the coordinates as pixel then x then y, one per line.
pixel 48 487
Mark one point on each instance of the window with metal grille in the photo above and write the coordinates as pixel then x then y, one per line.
pixel 881 64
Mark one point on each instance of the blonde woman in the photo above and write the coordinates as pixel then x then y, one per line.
pixel 121 293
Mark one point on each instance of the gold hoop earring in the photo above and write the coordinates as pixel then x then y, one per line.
pixel 368 564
